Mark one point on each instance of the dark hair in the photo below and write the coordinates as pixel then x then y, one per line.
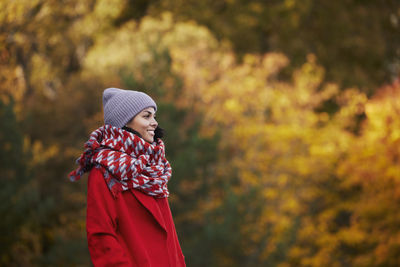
pixel 158 132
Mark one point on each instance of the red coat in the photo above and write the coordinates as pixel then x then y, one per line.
pixel 133 229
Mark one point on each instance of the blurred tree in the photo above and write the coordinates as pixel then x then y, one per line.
pixel 357 42
pixel 373 167
pixel 281 150
pixel 357 225
pixel 282 202
pixel 263 174
pixel 42 45
pixel 18 193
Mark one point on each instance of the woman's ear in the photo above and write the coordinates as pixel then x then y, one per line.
pixel 158 133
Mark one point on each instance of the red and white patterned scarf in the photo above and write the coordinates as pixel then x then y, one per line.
pixel 126 161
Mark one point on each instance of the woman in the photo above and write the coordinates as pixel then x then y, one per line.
pixel 128 221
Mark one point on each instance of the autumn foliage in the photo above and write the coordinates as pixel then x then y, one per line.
pixel 270 169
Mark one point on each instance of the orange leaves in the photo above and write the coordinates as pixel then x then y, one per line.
pixel 300 184
pixel 372 165
pixel 379 143
pixel 278 143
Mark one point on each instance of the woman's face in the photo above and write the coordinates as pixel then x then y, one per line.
pixel 145 123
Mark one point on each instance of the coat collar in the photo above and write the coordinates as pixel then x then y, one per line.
pixel 151 205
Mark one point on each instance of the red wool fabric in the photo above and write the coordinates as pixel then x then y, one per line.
pixel 149 237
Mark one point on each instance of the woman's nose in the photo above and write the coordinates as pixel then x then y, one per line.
pixel 154 122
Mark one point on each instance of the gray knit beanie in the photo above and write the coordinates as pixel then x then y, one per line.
pixel 120 106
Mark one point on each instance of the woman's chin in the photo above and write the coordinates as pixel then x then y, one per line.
pixel 149 139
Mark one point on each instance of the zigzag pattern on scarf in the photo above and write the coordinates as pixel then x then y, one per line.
pixel 126 160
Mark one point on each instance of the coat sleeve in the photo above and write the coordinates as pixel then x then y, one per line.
pixel 101 224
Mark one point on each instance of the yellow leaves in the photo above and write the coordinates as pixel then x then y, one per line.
pixel 290 205
pixel 150 24
pixel 231 105
pixel 352 236
pixel 282 145
pixel 274 62
pixel 276 140
pixel 15 11
pixel 40 154
pixel 379 143
pixel 386 251
pixel 309 75
pixel 299 161
pixel 240 92
pixel 150 45
pixel 352 103
pixel 289 3
pixel 42 73
pixel 107 10
pixel 187 35
pixel 372 165
pixel 270 193
pixel 97 62
pixel 383 115
pixel 322 150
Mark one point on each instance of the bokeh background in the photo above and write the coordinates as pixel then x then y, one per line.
pixel 282 120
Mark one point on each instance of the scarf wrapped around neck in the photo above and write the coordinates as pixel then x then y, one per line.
pixel 126 161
